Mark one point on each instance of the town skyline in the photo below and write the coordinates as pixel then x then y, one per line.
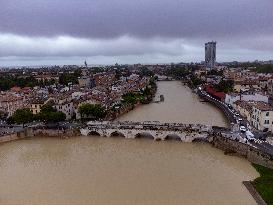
pixel 81 63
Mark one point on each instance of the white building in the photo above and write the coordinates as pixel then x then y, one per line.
pixel 64 104
pixel 233 97
pixel 262 116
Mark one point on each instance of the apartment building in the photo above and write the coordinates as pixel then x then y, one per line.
pixel 262 116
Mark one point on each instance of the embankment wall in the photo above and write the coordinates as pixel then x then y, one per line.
pixel 251 153
pixel 30 133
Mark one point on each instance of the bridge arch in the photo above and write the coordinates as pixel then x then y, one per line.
pixel 146 135
pixel 173 137
pixel 117 134
pixel 94 133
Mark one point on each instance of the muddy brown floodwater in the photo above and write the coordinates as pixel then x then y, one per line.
pixel 117 171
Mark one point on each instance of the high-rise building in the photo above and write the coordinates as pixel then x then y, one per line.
pixel 210 55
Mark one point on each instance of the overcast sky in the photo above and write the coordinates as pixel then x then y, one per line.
pixel 39 32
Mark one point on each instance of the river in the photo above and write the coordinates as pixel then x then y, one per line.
pixel 180 105
pixel 100 171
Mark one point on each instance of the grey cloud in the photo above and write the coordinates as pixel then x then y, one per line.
pixel 125 49
pixel 14 45
pixel 140 18
pixel 132 31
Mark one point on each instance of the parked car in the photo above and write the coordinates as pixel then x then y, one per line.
pixel 243 129
pixel 250 136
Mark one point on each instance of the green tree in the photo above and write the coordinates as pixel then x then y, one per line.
pixel 49 114
pixel 268 68
pixel 3 115
pixel 22 116
pixel 146 72
pixel 66 78
pixel 91 111
pixel 225 86
pixel 129 98
pixel 8 81
pixel 177 71
pixel 215 72
pixel 10 120
pixel 195 81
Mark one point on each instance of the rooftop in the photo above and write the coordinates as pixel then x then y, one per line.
pixel 263 106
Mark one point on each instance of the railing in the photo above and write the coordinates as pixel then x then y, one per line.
pixel 150 126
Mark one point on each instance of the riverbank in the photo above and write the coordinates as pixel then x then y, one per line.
pixel 218 104
pixel 40 132
pixel 262 187
pixel 133 100
pixel 264 183
pixel 256 196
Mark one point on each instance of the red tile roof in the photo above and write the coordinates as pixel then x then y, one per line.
pixel 209 89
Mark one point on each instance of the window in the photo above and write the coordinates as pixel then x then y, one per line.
pixel 267 114
pixel 266 122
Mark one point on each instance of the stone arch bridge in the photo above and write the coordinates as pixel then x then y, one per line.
pixel 154 130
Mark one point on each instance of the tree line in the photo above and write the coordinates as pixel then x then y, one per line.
pixel 264 68
pixel 9 81
pixel 48 114
pixel 225 86
pixel 66 78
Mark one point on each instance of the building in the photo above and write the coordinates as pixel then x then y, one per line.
pixel 10 103
pixel 215 94
pixel 63 103
pixel 244 108
pixel 246 85
pixel 247 96
pixel 47 77
pixel 210 55
pixel 270 87
pixel 105 78
pixel 262 116
pixel 37 103
pixel 86 82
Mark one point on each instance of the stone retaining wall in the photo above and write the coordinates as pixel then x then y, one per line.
pixel 13 136
pixel 7 138
pixel 252 154
pixel 51 133
pixel 30 132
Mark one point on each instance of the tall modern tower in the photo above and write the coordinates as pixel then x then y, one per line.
pixel 210 55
